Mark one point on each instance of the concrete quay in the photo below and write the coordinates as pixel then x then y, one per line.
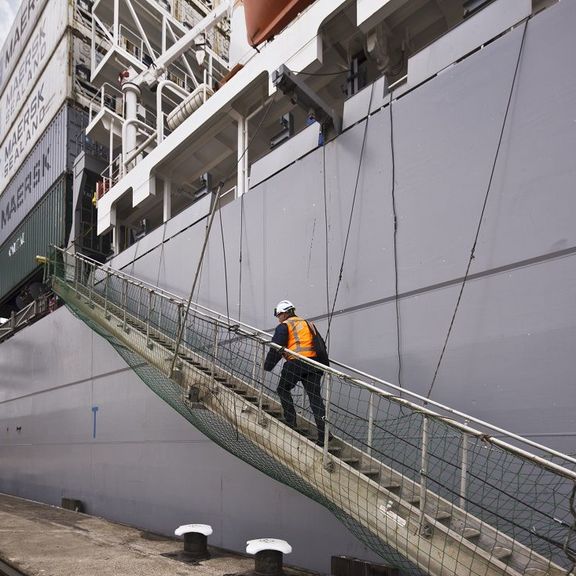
pixel 41 540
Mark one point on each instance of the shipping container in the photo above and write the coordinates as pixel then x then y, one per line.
pixel 45 225
pixel 37 53
pixel 19 34
pixel 46 98
pixel 53 155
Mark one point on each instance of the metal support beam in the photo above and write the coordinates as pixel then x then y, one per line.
pixel 289 83
pixel 167 204
pixel 177 49
pixel 140 29
pixel 242 153
pixel 183 58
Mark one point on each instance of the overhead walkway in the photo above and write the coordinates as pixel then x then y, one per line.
pixel 412 479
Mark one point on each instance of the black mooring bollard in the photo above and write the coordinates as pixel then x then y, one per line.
pixel 195 540
pixel 268 563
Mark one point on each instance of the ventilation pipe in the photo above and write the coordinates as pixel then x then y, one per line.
pixel 131 96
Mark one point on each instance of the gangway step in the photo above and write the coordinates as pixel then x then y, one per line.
pixel 370 472
pixel 269 409
pixel 229 385
pixel 471 533
pixel 501 552
pixel 442 515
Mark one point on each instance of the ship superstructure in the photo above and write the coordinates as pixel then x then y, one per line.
pixel 282 85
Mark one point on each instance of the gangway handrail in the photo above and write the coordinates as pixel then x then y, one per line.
pixel 258 334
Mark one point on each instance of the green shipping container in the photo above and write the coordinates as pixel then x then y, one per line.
pixel 44 225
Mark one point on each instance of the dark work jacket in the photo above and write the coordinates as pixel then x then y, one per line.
pixel 274 356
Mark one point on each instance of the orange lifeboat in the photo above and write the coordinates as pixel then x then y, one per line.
pixel 265 18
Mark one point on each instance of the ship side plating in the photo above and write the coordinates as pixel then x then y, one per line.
pixel 75 422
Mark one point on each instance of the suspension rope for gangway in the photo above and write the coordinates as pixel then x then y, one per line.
pixel 215 205
pixel 358 171
pixel 395 239
pixel 483 210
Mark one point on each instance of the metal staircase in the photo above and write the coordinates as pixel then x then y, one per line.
pixel 418 485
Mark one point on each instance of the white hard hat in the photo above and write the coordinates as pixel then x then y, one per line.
pixel 283 306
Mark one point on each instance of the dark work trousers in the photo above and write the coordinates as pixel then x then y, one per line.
pixel 293 372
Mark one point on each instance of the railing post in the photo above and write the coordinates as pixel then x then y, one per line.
pixel 180 320
pixel 423 471
pixel 106 315
pixel 215 349
pixel 155 322
pixel 90 282
pixel 13 320
pixel 77 273
pixel 261 419
pixel 148 316
pixel 173 365
pixel 325 456
pixel 139 302
pixel 370 438
pixel 124 302
pixel 464 470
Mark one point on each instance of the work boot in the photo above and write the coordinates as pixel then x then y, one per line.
pixel 290 424
pixel 320 441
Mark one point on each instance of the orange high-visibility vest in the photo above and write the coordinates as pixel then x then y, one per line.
pixel 300 338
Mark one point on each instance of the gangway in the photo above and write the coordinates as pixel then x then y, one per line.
pixel 431 490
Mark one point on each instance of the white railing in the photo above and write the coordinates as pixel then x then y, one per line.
pixel 108 97
pixel 110 176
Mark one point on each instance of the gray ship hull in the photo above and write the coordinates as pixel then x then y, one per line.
pixel 510 357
